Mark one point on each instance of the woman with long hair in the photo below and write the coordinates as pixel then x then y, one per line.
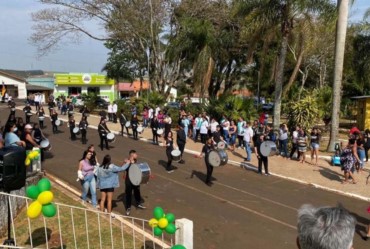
pixel 348 160
pixel 232 134
pixel 86 175
pixel 315 144
pixel 107 178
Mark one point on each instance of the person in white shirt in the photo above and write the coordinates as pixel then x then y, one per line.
pixel 240 132
pixel 197 124
pixel 225 128
pixel 213 125
pixel 295 142
pixel 110 112
pixel 157 109
pixel 204 130
pixel 114 110
pixel 283 140
pixel 37 101
pixel 247 138
pixel 150 114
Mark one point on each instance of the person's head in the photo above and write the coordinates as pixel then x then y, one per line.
pixel 91 148
pixel 10 127
pixel 87 155
pixel 169 135
pixel 19 120
pixel 232 122
pixel 71 118
pixel 209 141
pixel 28 128
pixel 315 130
pixel 262 137
pixel 255 122
pixel 106 160
pixel 132 154
pixel 325 228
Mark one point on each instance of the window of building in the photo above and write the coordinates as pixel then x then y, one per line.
pixel 95 90
pixel 74 91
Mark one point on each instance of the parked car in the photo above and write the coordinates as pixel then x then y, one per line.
pixel 101 103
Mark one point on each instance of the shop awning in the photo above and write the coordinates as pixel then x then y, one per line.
pixel 30 87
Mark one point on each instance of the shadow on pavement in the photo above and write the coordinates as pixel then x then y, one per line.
pixel 330 174
pixel 200 175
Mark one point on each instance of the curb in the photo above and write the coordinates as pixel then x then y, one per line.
pixel 249 167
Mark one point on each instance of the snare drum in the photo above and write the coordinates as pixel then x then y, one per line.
pixel 176 155
pixel 268 148
pixel 160 132
pixel 221 145
pixel 111 137
pixel 45 144
pixel 140 129
pixel 128 124
pixel 29 114
pixel 139 173
pixel 58 122
pixel 41 118
pixel 13 109
pixel 217 158
pixel 76 131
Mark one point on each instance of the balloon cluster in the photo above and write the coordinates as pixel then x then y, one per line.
pixel 42 197
pixel 31 155
pixel 162 222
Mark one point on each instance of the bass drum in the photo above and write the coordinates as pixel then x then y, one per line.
pixel 160 132
pixel 139 173
pixel 111 137
pixel 59 122
pixel 217 158
pixel 140 129
pixel 176 155
pixel 45 145
pixel 221 145
pixel 76 131
pixel 268 148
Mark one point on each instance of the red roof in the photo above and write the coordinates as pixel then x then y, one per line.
pixel 132 87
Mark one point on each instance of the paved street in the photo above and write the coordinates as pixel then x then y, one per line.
pixel 241 210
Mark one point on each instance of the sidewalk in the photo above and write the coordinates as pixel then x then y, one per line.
pixel 322 176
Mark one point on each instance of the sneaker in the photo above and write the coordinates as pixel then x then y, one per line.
pixel 128 211
pixel 182 161
pixel 267 174
pixel 141 206
pixel 170 171
pixel 113 216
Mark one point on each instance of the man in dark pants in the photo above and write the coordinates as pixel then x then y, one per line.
pixel 261 158
pixel 103 132
pixel 181 140
pixel 207 148
pixel 27 111
pixel 129 187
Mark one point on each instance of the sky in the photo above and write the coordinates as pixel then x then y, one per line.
pixel 89 56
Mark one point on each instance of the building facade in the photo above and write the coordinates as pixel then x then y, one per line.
pixel 15 86
pixel 77 84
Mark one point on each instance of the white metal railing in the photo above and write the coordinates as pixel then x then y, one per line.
pixel 76 227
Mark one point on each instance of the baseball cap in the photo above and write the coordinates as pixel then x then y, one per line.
pixel 28 126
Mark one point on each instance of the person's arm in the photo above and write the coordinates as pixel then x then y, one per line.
pixel 30 139
pixel 21 143
pixel 79 171
pixel 256 151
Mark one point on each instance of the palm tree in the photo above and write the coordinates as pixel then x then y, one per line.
pixel 282 13
pixel 340 41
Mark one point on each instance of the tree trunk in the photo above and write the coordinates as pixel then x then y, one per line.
pixel 279 81
pixel 294 74
pixel 340 42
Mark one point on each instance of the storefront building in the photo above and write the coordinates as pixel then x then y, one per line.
pixel 78 84
pixel 15 86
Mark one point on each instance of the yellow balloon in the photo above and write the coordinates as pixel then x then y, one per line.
pixel 153 222
pixel 27 162
pixel 45 197
pixel 162 223
pixel 34 210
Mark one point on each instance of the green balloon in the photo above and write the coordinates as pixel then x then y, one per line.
pixel 44 185
pixel 32 192
pixel 171 228
pixel 178 247
pixel 49 210
pixel 157 231
pixel 158 213
pixel 170 217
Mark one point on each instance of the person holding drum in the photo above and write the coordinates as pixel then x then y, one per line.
pixel 181 140
pixel 103 131
pixel 154 124
pixel 261 158
pixel 72 125
pixel 207 148
pixel 167 124
pixel 41 114
pixel 83 128
pixel 107 181
pixel 54 118
pixel 86 175
pixel 27 111
pixel 122 121
pixel 169 148
pixel 129 187
pixel 38 136
pixel 134 125
pixel 28 139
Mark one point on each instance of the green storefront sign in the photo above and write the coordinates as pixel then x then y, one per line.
pixel 82 79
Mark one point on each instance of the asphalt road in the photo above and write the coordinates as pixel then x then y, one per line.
pixel 241 210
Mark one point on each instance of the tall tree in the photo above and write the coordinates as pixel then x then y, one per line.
pixel 340 42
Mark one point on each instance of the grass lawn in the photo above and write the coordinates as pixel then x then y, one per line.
pixel 67 231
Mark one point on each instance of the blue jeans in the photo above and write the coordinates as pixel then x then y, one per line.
pixel 361 156
pixel 225 134
pixel 89 183
pixel 284 147
pixel 247 146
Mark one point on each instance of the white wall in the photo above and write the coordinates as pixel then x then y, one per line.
pixel 21 85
